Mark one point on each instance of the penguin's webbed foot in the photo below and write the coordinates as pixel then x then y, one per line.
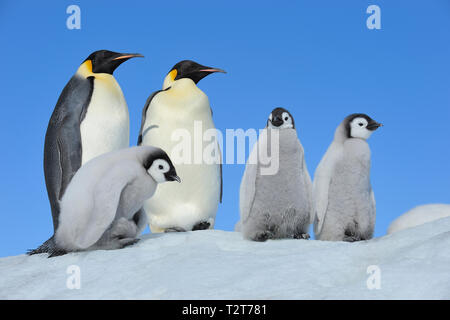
pixel 46 247
pixel 126 242
pixel 202 225
pixel 56 252
pixel 39 250
pixel 303 236
pixel 351 238
pixel 262 236
pixel 174 229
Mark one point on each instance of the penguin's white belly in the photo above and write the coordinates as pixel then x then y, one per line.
pixel 196 198
pixel 106 126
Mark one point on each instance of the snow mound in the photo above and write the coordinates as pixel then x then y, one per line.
pixel 419 215
pixel 214 264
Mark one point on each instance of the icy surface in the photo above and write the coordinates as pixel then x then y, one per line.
pixel 413 264
pixel 419 215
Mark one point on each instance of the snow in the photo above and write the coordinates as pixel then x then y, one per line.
pixel 214 264
pixel 419 215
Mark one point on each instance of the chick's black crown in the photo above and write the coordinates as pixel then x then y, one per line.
pixel 160 154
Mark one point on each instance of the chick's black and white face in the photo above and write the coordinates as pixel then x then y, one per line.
pixel 362 127
pixel 163 171
pixel 280 119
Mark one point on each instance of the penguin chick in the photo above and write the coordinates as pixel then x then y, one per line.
pixel 343 197
pixel 101 208
pixel 279 205
pixel 181 107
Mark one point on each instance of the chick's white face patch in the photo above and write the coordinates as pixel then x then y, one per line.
pixel 358 128
pixel 157 170
pixel 287 121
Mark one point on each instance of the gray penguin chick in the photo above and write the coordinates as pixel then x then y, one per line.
pixel 102 205
pixel 343 197
pixel 276 205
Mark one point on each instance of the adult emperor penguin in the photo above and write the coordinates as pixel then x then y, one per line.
pixel 89 119
pixel 101 207
pixel 277 204
pixel 181 108
pixel 343 197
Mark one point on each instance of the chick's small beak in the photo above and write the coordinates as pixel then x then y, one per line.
pixel 277 121
pixel 176 178
pixel 374 126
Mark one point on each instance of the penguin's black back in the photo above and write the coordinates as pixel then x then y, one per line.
pixel 63 148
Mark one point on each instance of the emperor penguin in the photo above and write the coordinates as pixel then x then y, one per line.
pixel 343 197
pixel 182 109
pixel 276 205
pixel 90 118
pixel 101 207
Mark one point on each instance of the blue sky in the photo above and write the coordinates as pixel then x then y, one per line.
pixel 315 58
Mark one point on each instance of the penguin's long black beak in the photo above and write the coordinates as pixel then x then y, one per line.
pixel 126 56
pixel 211 70
pixel 203 71
pixel 120 58
pixel 374 126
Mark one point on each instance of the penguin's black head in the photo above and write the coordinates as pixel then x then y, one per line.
pixel 104 61
pixel 160 167
pixel 280 118
pixel 360 125
pixel 191 70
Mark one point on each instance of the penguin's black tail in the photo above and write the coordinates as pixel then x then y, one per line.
pixel 49 247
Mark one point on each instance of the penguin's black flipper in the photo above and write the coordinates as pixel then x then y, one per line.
pixel 221 178
pixel 62 148
pixel 142 132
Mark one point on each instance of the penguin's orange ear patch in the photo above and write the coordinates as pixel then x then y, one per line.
pixel 88 65
pixel 173 74
pixel 85 69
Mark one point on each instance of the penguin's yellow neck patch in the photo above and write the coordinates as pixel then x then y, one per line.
pixel 173 74
pixel 85 69
pixel 170 78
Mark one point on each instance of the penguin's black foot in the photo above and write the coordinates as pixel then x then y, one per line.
pixel 262 236
pixel 203 225
pixel 39 250
pixel 304 236
pixel 126 242
pixel 175 229
pixel 351 238
pixel 56 252
pixel 46 247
